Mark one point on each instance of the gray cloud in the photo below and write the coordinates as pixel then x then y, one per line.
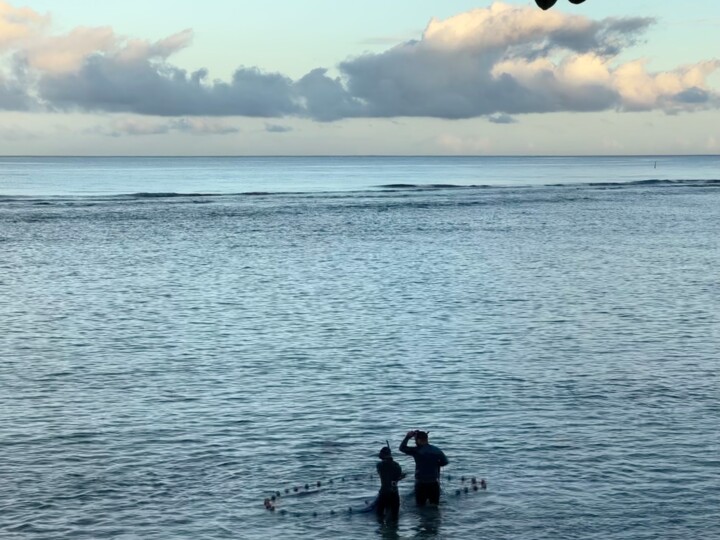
pixel 494 62
pixel 108 83
pixel 326 99
pixel 692 95
pixel 501 119
pixel 14 96
pixel 412 81
pixel 607 37
pixel 275 128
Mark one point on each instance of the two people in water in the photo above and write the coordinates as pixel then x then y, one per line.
pixel 429 459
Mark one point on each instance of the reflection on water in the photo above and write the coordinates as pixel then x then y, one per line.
pixel 388 530
pixel 428 522
pixel 415 523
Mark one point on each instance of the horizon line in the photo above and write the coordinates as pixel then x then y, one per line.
pixel 194 156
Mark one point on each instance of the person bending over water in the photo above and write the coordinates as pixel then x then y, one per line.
pixel 390 473
pixel 428 461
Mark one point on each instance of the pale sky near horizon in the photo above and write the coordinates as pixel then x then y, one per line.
pixel 283 77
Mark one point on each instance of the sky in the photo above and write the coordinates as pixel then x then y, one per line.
pixel 324 77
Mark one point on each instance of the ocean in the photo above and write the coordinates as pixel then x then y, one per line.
pixel 183 338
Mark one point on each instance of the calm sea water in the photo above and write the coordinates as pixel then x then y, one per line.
pixel 181 338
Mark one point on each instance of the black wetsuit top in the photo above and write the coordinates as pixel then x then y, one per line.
pixel 428 460
pixel 390 473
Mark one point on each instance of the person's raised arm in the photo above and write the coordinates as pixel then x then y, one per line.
pixel 404 448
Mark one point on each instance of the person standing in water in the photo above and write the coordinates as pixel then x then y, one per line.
pixel 428 461
pixel 390 473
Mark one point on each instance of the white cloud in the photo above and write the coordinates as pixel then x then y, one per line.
pixel 19 25
pixel 58 54
pixel 27 33
pixel 671 91
pixel 498 62
pixel 500 26
pixel 140 50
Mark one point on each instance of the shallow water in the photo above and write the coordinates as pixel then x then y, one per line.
pixel 168 362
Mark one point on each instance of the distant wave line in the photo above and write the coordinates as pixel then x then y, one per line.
pixel 171 194
pixel 383 188
pixel 649 181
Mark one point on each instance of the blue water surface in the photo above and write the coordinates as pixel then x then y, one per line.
pixel 181 338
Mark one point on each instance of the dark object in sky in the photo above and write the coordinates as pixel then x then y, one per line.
pixel 547 4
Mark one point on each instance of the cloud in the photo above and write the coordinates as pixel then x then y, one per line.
pixel 123 83
pixel 501 59
pixel 203 126
pixel 14 96
pixel 275 128
pixel 501 118
pixel 501 27
pixel 60 54
pixel 496 62
pixel 140 126
pixel 326 99
pixel 682 89
pixel 692 95
pixel 19 25
pixel 517 60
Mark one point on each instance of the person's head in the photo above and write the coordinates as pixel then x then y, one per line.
pixel 421 438
pixel 385 453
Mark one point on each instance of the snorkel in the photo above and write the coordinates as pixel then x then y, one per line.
pixel 385 452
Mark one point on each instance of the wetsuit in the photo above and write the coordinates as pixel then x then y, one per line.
pixel 428 460
pixel 388 498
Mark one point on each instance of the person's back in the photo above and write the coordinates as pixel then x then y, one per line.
pixel 428 461
pixel 390 473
